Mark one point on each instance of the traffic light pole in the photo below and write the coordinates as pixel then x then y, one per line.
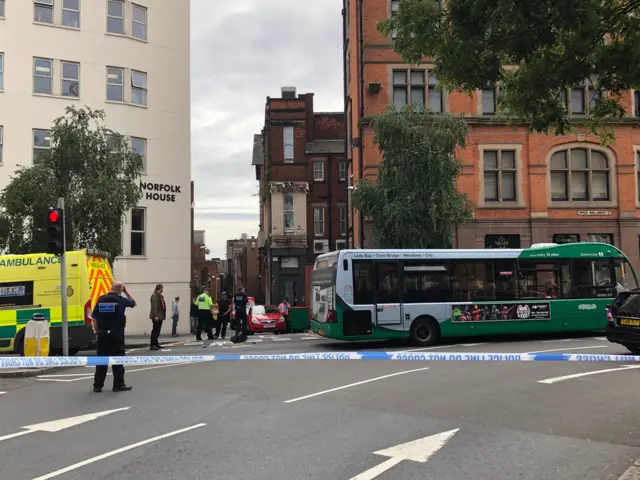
pixel 63 286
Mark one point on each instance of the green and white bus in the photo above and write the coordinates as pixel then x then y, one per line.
pixel 423 295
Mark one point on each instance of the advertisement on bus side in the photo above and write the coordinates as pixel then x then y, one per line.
pixel 496 312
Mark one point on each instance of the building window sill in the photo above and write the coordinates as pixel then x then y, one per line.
pixel 130 37
pixel 114 102
pixel 501 206
pixel 60 97
pixel 55 25
pixel 582 205
pixel 133 257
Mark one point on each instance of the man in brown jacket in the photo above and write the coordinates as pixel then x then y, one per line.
pixel 157 315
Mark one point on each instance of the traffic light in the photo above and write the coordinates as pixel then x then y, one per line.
pixel 55 231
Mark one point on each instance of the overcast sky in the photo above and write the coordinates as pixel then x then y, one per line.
pixel 241 52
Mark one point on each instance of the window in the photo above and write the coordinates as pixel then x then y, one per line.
pixel 115 16
pixel 138 232
pixel 71 13
pixel 70 79
pixel 115 146
pixel 43 11
pixel 409 86
pixel 342 215
pixel 579 174
pixel 43 76
pixel 362 282
pixel 287 144
pixel 395 6
pixel 138 88
pixel 583 96
pixel 1 71
pixel 426 282
pixel 318 171
pixel 342 165
pixel 624 276
pixel 473 280
pixel 592 278
pixel 502 241
pixel 139 146
pixel 115 84
pixel 318 221
pixel 41 145
pixel 637 153
pixel 600 237
pixel 139 25
pixel 499 175
pixel 387 283
pixel 538 279
pixel 636 94
pixel 1 142
pixel 1 8
pixel 489 101
pixel 288 212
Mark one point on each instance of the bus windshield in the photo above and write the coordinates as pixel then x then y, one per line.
pixel 625 277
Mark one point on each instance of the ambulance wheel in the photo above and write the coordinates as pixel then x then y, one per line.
pixel 18 343
pixel 425 331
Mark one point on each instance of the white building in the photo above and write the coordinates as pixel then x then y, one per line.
pixel 130 59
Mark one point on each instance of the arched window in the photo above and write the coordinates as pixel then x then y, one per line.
pixel 580 174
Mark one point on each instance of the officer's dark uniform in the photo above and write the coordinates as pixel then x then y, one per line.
pixel 109 314
pixel 240 302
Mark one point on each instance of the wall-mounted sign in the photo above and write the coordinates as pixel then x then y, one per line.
pixel 502 241
pixel 594 213
pixel 162 192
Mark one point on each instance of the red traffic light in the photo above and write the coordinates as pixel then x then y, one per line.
pixel 54 216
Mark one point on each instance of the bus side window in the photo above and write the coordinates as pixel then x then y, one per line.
pixel 592 278
pixel 426 282
pixel 505 279
pixel 362 282
pixel 345 265
pixel 538 279
pixel 565 279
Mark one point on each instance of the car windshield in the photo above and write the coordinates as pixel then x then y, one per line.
pixel 272 309
pixel 258 310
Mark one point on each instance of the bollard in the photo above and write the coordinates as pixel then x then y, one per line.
pixel 36 337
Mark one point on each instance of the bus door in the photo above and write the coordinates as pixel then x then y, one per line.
pixel 387 293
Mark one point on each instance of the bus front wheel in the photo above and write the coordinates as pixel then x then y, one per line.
pixel 424 332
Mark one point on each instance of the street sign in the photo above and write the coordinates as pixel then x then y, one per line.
pixel 416 451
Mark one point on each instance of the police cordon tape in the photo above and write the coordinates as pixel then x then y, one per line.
pixel 45 362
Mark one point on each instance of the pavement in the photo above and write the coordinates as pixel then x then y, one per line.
pixel 305 419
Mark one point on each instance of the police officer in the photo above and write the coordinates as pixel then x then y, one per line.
pixel 240 301
pixel 205 314
pixel 109 322
pixel 224 311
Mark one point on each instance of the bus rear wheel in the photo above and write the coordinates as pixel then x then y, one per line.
pixel 424 332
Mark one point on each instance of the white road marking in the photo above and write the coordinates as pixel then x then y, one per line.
pixel 602 339
pixel 2 393
pixel 355 384
pixel 61 424
pixel 562 340
pixel 283 339
pixel 567 349
pixel 89 461
pixel 443 346
pixel 419 451
pixel 312 338
pixel 50 378
pixel 255 340
pixel 551 381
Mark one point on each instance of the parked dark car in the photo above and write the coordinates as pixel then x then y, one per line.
pixel 623 325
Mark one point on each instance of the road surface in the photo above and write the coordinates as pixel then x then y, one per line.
pixel 330 419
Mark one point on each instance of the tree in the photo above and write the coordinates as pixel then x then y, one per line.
pixel 92 168
pixel 414 202
pixel 555 45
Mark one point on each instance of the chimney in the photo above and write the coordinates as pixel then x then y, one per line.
pixel 289 92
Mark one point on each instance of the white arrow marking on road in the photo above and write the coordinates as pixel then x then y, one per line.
pixel 551 381
pixel 62 424
pixel 416 451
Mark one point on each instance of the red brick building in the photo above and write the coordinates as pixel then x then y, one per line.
pixel 204 273
pixel 300 164
pixel 527 188
pixel 250 276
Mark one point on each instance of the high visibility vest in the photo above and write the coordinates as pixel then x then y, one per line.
pixel 204 302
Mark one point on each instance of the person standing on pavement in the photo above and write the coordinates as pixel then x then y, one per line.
pixel 224 312
pixel 205 315
pixel 109 322
pixel 175 316
pixel 157 315
pixel 240 301
pixel 193 317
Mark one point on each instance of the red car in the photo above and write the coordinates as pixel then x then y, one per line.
pixel 266 319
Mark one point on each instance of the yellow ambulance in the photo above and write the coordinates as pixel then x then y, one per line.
pixel 30 284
